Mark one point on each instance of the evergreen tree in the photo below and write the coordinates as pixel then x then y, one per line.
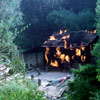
pixel 96 51
pixel 87 78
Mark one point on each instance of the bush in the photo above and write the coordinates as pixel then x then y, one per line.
pixel 96 96
pixel 20 90
pixel 10 18
pixel 85 82
pixel 96 49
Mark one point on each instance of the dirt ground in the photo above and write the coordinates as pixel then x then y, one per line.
pixel 50 91
pixel 52 75
pixel 48 75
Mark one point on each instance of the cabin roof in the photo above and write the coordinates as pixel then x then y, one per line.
pixel 76 39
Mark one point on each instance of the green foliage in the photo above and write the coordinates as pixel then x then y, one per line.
pixel 63 19
pixel 10 18
pixel 87 78
pixel 96 96
pixel 86 20
pixel 85 82
pixel 98 16
pixel 96 50
pixel 20 89
pixel 69 20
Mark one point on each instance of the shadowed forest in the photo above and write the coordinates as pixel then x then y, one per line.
pixel 47 17
pixel 25 25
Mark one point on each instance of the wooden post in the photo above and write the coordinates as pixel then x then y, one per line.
pixel 37 67
pixel 32 77
pixel 39 82
pixel 38 70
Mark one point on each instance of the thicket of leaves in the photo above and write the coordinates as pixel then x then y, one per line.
pixel 85 83
pixel 20 89
pixel 10 18
pixel 96 50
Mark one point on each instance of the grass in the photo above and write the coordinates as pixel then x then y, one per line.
pixel 20 90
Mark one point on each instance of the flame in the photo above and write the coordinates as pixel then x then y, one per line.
pixel 65 44
pixel 92 32
pixel 73 57
pixel 61 32
pixel 54 55
pixel 83 58
pixel 78 52
pixel 67 58
pixel 83 48
pixel 62 57
pixel 65 31
pixel 58 51
pixel 71 47
pixel 52 38
pixel 66 37
pixel 46 53
pixel 95 31
pixel 55 63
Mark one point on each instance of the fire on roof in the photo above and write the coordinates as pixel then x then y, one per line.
pixel 65 47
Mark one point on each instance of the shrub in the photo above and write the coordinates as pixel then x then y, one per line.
pixel 85 82
pixel 96 96
pixel 20 90
pixel 10 18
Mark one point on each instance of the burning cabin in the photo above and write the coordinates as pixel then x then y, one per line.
pixel 65 48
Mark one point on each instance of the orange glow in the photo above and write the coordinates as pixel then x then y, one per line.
pixel 92 32
pixel 52 38
pixel 83 58
pixel 65 44
pixel 61 32
pixel 83 48
pixel 66 37
pixel 62 57
pixel 55 63
pixel 73 57
pixel 65 31
pixel 54 55
pixel 71 47
pixel 67 58
pixel 78 52
pixel 58 51
pixel 46 53
pixel 95 31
